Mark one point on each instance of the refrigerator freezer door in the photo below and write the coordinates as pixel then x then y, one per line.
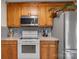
pixel 70 30
pixel 69 54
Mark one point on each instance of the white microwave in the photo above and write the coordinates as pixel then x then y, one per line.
pixel 29 21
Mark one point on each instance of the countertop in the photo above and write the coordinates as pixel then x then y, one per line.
pixel 48 39
pixel 40 39
pixel 10 38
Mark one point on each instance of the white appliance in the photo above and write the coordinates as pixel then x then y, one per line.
pixel 65 30
pixel 29 34
pixel 28 45
pixel 28 49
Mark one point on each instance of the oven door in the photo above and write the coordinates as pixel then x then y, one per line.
pixel 29 50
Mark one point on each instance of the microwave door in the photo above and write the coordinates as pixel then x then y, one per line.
pixel 29 21
pixel 26 20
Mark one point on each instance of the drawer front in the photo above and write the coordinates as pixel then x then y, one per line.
pixel 50 42
pixel 8 42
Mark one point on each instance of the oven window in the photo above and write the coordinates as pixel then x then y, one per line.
pixel 28 48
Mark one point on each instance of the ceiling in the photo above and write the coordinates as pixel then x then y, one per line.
pixel 37 0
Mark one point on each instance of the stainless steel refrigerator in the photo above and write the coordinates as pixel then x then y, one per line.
pixel 70 35
pixel 64 29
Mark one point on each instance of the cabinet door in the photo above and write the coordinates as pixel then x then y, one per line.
pixel 8 50
pixel 49 20
pixel 44 51
pixel 13 15
pixel 17 16
pixel 12 52
pixel 4 51
pixel 10 13
pixel 25 11
pixel 53 51
pixel 34 9
pixel 42 16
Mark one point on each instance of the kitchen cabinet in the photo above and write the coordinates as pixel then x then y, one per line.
pixel 49 20
pixel 34 9
pixel 30 9
pixel 44 16
pixel 16 10
pixel 44 51
pixel 49 50
pixel 53 51
pixel 25 9
pixel 13 15
pixel 9 49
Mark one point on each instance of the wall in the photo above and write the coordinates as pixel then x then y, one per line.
pixel 3 13
pixel 38 0
pixel 4 29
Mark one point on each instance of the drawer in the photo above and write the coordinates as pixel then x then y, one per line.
pixel 8 41
pixel 49 42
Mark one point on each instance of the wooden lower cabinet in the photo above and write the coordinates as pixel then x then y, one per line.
pixel 8 49
pixel 48 50
pixel 44 52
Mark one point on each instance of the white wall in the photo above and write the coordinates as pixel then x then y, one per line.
pixel 3 13
pixel 36 0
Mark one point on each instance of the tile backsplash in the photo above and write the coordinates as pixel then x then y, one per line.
pixel 17 32
pixel 4 32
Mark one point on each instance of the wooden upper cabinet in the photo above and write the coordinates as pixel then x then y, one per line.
pixel 10 15
pixel 42 16
pixel 13 15
pixel 17 15
pixel 34 9
pixel 30 9
pixel 49 20
pixel 25 9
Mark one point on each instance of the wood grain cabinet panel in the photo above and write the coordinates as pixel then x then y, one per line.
pixel 44 52
pixel 53 52
pixel 8 51
pixel 30 9
pixel 4 51
pixel 17 15
pixel 49 20
pixel 10 15
pixel 13 15
pixel 42 16
pixel 34 9
pixel 48 50
pixel 25 11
